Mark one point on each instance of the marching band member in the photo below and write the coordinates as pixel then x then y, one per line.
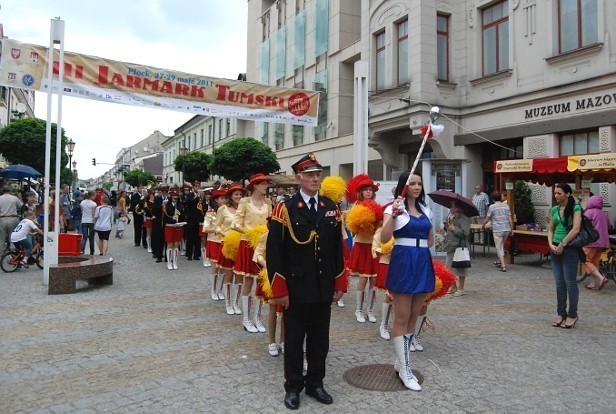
pixel 173 230
pixel 212 248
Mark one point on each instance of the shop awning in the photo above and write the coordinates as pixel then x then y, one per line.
pixel 532 165
pixel 279 180
pixel 596 162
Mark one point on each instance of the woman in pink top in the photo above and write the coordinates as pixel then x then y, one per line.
pixel 594 211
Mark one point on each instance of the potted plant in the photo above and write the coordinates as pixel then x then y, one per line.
pixel 524 209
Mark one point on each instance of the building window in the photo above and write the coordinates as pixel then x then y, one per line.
pixel 210 134
pixel 202 137
pixel 495 31
pixel 298 135
pixel 577 22
pixel 219 129
pixel 265 20
pixel 321 27
pixel 299 39
pixel 278 136
pixel 320 85
pixel 380 60
pixel 264 133
pixel 442 47
pixel 265 62
pixel 403 52
pixel 228 127
pixel 579 143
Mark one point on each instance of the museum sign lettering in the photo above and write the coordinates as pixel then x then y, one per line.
pixel 599 101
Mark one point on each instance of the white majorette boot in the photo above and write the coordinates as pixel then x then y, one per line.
pixel 148 240
pixel 386 309
pixel 246 322
pixel 228 304
pixel 256 315
pixel 359 315
pixel 371 298
pixel 236 301
pixel 169 259
pixel 175 258
pixel 219 290
pixel 214 277
pixel 401 346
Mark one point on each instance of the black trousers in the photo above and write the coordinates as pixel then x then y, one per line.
pixel 158 240
pixel 309 321
pixel 193 241
pixel 138 226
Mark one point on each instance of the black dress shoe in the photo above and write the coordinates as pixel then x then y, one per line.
pixel 320 395
pixel 291 400
pixel 159 260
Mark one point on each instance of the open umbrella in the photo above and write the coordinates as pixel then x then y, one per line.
pixel 444 198
pixel 19 171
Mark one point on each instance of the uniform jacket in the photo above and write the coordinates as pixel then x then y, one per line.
pixel 304 257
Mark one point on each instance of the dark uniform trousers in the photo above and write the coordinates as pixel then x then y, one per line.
pixel 138 226
pixel 310 270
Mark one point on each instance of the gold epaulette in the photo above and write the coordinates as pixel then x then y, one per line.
pixel 280 214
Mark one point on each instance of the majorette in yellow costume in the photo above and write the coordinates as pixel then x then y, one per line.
pixel 252 211
pixel 213 244
pixel 382 252
pixel 362 220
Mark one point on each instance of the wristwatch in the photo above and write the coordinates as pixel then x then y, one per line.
pixel 564 243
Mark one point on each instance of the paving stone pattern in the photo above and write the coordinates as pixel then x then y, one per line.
pixel 154 342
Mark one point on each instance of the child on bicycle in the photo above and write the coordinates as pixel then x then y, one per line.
pixel 21 235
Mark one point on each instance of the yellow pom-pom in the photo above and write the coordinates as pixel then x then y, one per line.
pixel 361 219
pixel 253 235
pixel 265 284
pixel 231 244
pixel 333 188
pixel 387 247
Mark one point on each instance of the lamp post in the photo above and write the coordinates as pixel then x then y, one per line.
pixel 70 147
pixel 75 184
pixel 183 151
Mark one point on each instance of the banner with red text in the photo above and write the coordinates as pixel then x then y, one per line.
pixel 24 66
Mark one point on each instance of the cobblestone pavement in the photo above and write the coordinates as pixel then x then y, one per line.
pixel 155 342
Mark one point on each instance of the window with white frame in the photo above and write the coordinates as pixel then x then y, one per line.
pixel 228 127
pixel 403 52
pixel 278 136
pixel 298 135
pixel 442 46
pixel 210 134
pixel 220 129
pixel 579 143
pixel 380 60
pixel 577 24
pixel 495 37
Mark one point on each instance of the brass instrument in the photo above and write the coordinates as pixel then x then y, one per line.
pixel 150 185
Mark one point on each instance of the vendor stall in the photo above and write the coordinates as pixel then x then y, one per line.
pixel 595 168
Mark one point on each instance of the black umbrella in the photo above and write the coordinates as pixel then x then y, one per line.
pixel 444 198
pixel 19 171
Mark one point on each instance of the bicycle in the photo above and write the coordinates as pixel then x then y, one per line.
pixel 11 260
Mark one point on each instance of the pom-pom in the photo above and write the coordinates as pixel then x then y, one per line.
pixel 445 279
pixel 364 217
pixel 386 248
pixel 231 244
pixel 333 188
pixel 266 287
pixel 253 235
pixel 356 184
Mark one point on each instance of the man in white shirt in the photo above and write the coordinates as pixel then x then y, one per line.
pixel 88 205
pixel 9 206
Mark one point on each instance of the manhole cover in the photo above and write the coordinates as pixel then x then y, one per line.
pixel 377 377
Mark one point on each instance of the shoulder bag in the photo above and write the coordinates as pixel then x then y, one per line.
pixel 461 257
pixel 588 234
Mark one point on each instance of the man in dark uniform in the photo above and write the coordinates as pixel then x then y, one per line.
pixel 190 200
pixel 135 200
pixel 305 268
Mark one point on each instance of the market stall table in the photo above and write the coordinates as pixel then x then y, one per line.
pixel 477 230
pixel 530 241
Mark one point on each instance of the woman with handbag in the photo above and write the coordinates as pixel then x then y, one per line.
pixel 458 227
pixel 564 222
pixel 593 251
pixel 410 276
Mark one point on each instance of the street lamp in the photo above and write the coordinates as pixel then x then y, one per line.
pixel 74 174
pixel 183 151
pixel 70 147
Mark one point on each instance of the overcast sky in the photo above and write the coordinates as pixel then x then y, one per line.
pixel 201 37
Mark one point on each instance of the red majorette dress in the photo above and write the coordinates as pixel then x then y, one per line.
pixel 201 214
pixel 147 211
pixel 381 253
pixel 247 217
pixel 224 221
pixel 363 219
pixel 174 232
pixel 213 244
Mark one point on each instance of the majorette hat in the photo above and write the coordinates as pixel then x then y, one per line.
pixel 307 163
pixel 356 184
pixel 219 193
pixel 196 183
pixel 235 187
pixel 257 178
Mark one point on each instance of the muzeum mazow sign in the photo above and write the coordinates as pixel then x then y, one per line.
pixel 25 66
pixel 581 104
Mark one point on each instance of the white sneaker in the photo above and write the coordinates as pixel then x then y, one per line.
pixel 359 315
pixel 207 264
pixel 340 303
pixel 415 345
pixel 371 317
pixel 384 333
pixel 272 349
pixel 282 347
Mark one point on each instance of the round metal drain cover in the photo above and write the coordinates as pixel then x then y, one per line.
pixel 377 377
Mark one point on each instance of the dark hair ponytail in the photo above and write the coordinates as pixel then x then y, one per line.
pixel 568 213
pixel 420 201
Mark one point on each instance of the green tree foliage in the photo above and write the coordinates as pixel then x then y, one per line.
pixel 107 186
pixel 238 159
pixel 195 166
pixel 23 142
pixel 524 209
pixel 136 177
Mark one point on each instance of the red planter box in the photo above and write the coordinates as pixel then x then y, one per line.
pixel 69 244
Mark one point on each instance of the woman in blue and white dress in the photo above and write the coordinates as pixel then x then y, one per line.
pixel 410 276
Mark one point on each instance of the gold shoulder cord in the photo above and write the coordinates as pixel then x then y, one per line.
pixel 287 222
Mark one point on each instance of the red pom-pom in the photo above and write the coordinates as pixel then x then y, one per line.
pixel 445 280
